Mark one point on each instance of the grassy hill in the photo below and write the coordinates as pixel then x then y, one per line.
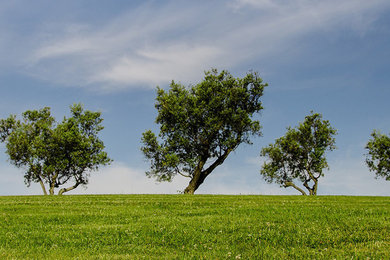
pixel 193 227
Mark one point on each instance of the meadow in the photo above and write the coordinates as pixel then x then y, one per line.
pixel 194 227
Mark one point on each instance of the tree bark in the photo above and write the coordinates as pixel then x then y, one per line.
pixel 310 189
pixel 199 175
pixel 197 179
pixel 53 183
pixel 63 190
pixel 42 186
pixel 313 189
pixel 291 184
pixel 195 183
pixel 315 186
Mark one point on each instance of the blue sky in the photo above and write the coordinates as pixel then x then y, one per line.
pixel 329 56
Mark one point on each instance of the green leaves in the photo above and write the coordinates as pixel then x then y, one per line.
pixel 55 153
pixel 378 157
pixel 300 153
pixel 202 123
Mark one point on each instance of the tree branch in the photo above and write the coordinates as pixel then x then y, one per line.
pixel 52 182
pixel 310 174
pixel 291 184
pixel 179 172
pixel 187 176
pixel 63 190
pixel 305 183
pixel 219 161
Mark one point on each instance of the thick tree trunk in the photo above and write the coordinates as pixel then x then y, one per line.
pixel 200 174
pixel 315 187
pixel 53 183
pixel 195 182
pixel 312 190
pixel 51 190
pixel 197 179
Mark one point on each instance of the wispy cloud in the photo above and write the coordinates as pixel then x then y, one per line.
pixel 152 67
pixel 153 44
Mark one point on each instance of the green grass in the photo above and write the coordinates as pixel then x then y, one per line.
pixel 193 227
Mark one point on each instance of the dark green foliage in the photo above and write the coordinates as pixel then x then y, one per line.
pixel 194 227
pixel 378 157
pixel 300 154
pixel 201 125
pixel 55 153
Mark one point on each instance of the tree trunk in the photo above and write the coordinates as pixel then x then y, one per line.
pixel 195 182
pixel 310 189
pixel 53 183
pixel 42 186
pixel 315 187
pixel 199 175
pixel 197 178
pixel 51 190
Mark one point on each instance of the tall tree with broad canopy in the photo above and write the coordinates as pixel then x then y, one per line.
pixel 300 154
pixel 378 157
pixel 55 153
pixel 201 125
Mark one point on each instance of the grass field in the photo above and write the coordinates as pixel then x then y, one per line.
pixel 193 227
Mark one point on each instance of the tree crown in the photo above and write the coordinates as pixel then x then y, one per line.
pixel 205 121
pixel 378 157
pixel 55 152
pixel 300 153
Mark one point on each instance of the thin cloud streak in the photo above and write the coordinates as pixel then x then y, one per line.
pixel 154 67
pixel 146 46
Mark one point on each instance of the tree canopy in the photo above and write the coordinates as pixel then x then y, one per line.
pixel 201 125
pixel 55 153
pixel 300 154
pixel 378 157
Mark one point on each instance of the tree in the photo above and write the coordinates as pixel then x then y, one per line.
pixel 300 154
pixel 378 157
pixel 201 125
pixel 55 153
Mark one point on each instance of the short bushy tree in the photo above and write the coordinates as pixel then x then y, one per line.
pixel 300 154
pixel 378 157
pixel 201 125
pixel 55 153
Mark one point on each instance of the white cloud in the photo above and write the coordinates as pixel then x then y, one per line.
pixel 152 67
pixel 121 179
pixel 64 48
pixel 153 44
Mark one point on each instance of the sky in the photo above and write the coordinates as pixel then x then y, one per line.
pixel 328 56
